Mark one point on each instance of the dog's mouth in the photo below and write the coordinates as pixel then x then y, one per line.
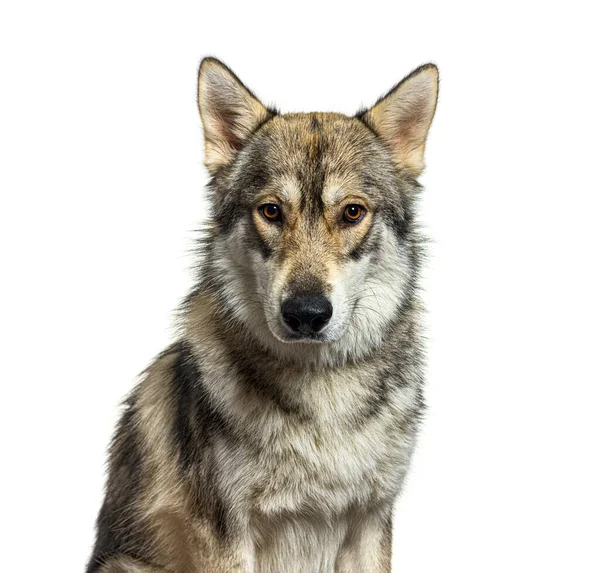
pixel 317 338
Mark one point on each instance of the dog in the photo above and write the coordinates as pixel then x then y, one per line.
pixel 274 435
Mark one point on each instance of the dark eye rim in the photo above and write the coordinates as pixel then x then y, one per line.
pixel 262 210
pixel 362 212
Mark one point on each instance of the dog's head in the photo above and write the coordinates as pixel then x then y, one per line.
pixel 312 212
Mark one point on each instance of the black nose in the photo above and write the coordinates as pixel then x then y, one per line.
pixel 306 313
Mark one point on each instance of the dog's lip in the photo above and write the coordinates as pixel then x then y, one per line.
pixel 290 337
pixel 315 338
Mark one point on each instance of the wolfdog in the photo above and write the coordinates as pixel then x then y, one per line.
pixel 274 435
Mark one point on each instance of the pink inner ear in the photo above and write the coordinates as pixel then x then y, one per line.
pixel 406 137
pixel 411 129
pixel 223 128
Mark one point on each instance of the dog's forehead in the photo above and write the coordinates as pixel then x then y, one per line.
pixel 316 157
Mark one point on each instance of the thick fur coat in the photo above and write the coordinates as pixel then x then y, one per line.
pixel 275 434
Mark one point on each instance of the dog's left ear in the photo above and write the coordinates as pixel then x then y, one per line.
pixel 402 117
pixel 229 110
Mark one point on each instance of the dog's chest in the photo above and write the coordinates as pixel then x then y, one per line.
pixel 297 545
pixel 336 457
pixel 314 474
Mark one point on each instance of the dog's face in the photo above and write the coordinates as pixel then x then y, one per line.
pixel 312 210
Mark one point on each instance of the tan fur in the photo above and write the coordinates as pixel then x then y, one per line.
pixel 244 449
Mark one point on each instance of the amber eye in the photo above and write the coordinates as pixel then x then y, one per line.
pixel 271 212
pixel 354 213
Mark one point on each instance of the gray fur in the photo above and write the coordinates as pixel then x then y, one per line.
pixel 245 449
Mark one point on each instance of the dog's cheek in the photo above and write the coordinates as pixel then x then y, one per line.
pixel 347 281
pixel 351 285
pixel 270 281
pixel 269 278
pixel 260 269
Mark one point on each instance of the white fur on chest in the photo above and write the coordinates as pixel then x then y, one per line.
pixel 297 545
pixel 325 463
pixel 326 469
pixel 297 475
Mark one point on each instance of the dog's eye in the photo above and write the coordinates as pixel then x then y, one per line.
pixel 354 213
pixel 271 212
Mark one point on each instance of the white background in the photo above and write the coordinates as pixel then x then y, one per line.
pixel 101 179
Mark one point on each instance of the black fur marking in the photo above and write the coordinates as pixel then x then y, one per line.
pixel 312 178
pixel 398 221
pixel 226 210
pixel 221 518
pixel 116 532
pixel 256 383
pixel 369 183
pixel 254 176
pixel 185 377
pixel 197 421
pixel 256 242
pixel 378 398
pixel 361 115
pixel 369 244
pixel 196 424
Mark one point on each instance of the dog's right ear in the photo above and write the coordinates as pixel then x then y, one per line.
pixel 229 110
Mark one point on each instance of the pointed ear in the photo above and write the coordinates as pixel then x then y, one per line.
pixel 402 117
pixel 229 110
